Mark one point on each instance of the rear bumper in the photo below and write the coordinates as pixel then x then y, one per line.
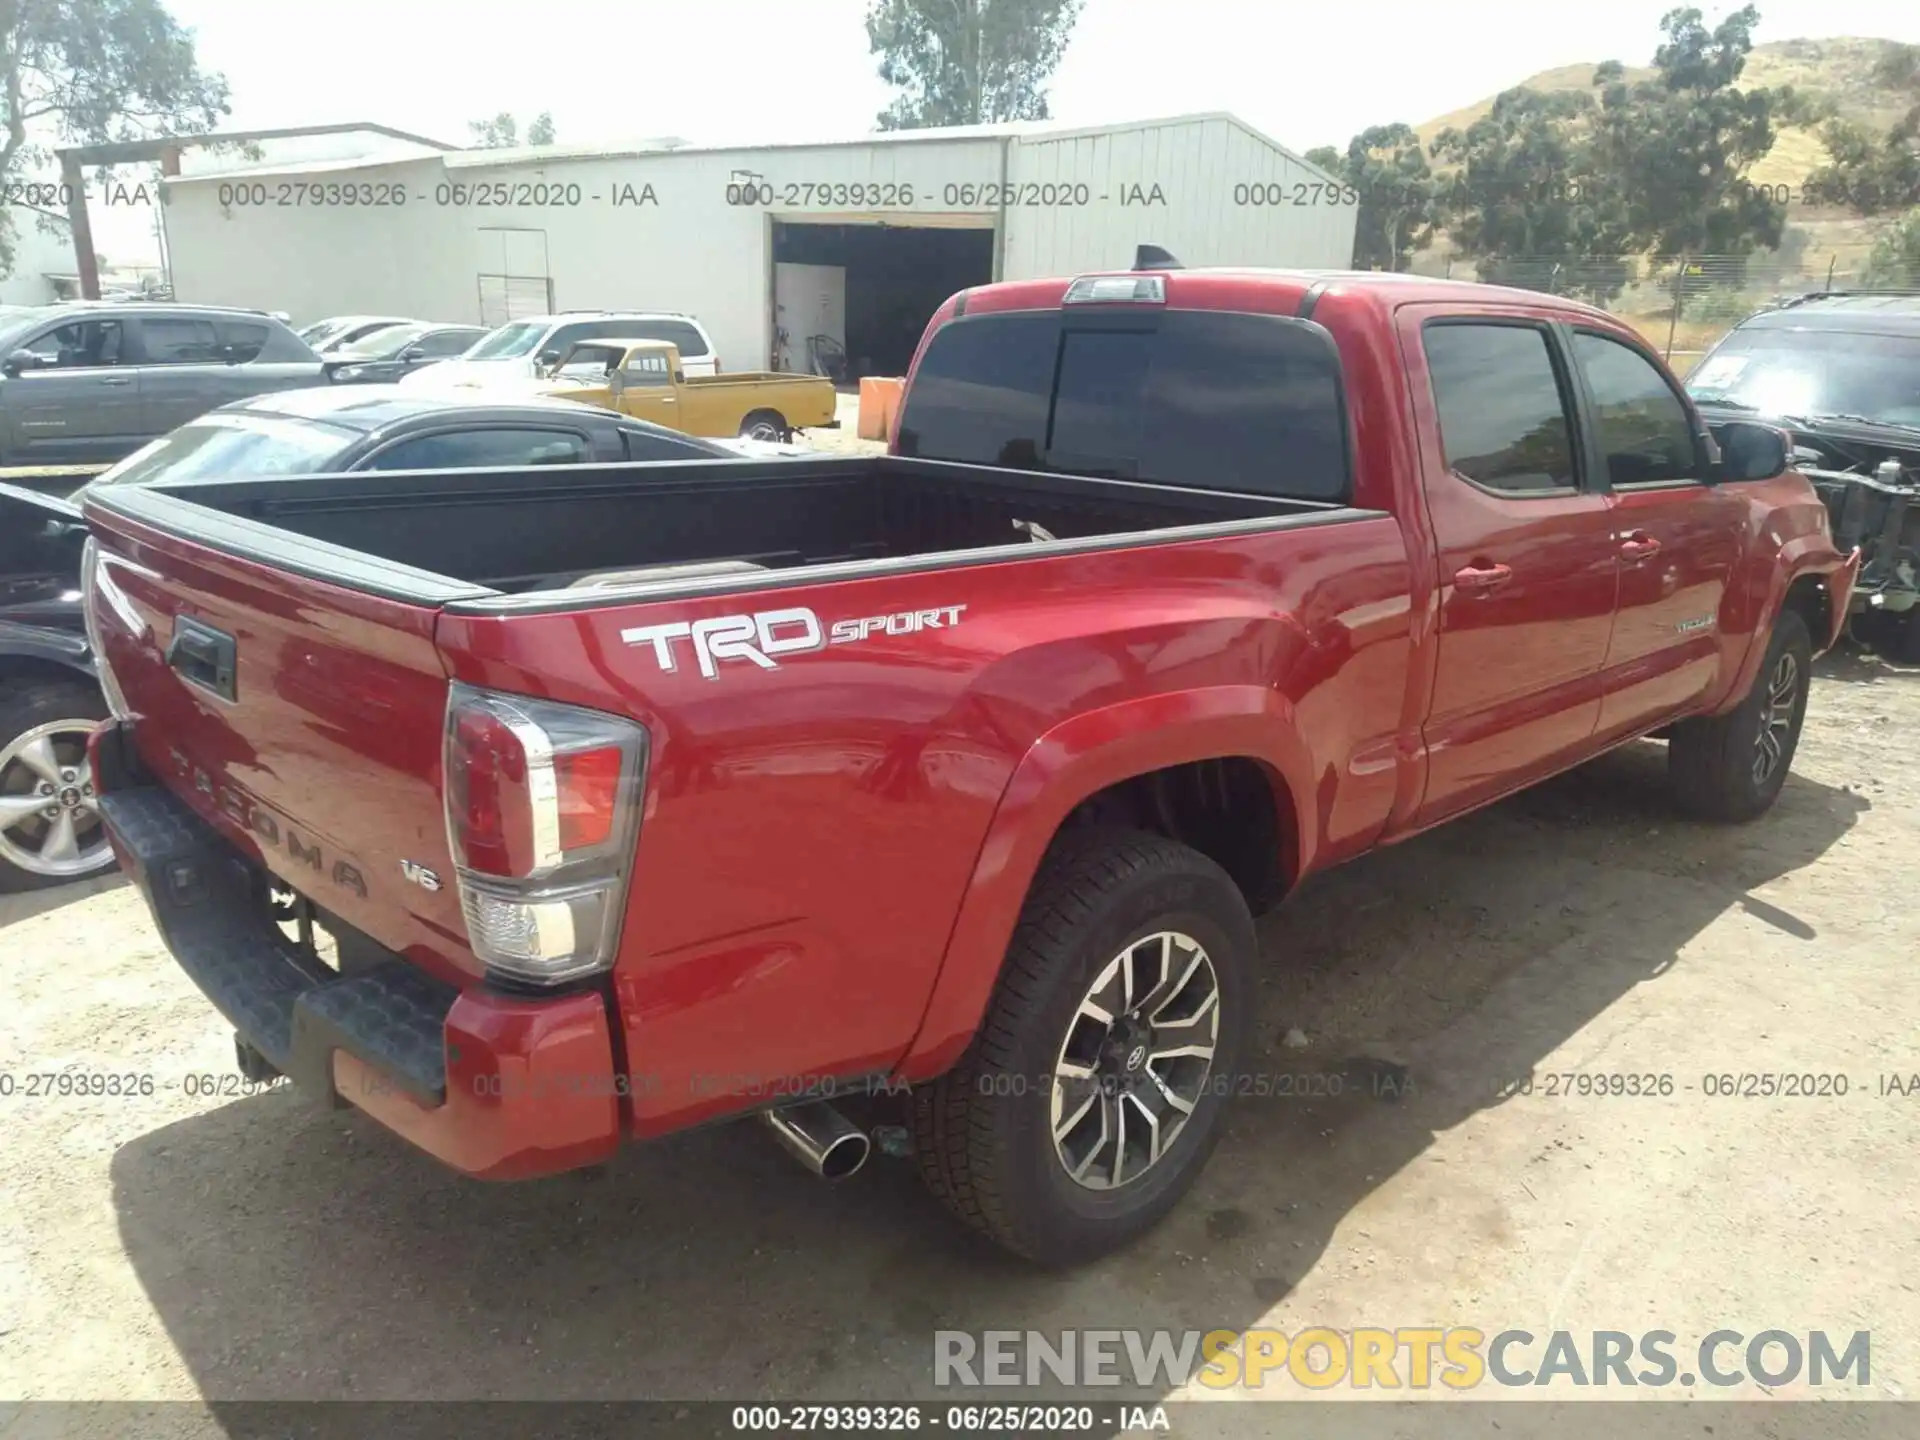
pixel 497 1086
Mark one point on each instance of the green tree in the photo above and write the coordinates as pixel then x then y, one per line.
pixel 967 62
pixel 1875 174
pixel 1399 193
pixel 1523 198
pixel 502 132
pixel 1895 258
pixel 1678 146
pixel 80 74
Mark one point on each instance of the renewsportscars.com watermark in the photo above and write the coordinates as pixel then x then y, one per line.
pixel 1417 1358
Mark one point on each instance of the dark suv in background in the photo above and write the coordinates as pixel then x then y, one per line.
pixel 93 381
pixel 1840 371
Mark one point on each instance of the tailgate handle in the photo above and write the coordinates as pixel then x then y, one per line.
pixel 204 656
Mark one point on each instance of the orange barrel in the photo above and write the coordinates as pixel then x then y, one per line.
pixel 879 398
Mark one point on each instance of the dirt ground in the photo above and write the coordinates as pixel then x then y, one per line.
pixel 208 1247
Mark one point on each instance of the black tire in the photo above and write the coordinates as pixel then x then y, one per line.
pixel 1713 762
pixel 26 706
pixel 983 1133
pixel 768 425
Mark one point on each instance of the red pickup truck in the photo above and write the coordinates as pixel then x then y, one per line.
pixel 529 811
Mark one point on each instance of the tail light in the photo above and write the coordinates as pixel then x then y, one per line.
pixel 543 810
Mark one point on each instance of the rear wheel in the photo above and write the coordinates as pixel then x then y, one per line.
pixel 768 425
pixel 1731 766
pixel 1092 1095
pixel 50 830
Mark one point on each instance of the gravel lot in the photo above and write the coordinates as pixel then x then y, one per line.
pixel 215 1247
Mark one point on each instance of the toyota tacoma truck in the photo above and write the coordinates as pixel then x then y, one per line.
pixel 531 812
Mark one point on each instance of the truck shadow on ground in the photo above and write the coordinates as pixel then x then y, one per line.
pixel 19 905
pixel 298 1254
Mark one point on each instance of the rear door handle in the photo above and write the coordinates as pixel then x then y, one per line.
pixel 1639 545
pixel 1482 577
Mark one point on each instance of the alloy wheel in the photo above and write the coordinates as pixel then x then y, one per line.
pixel 49 816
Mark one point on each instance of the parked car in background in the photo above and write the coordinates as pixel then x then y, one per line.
pixel 49 698
pixel 337 428
pixel 398 350
pixel 326 336
pixel 1840 371
pixel 92 381
pixel 528 349
pixel 646 379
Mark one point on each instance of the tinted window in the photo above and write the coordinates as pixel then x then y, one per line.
pixel 677 333
pixel 1643 427
pixel 467 449
pixel 644 445
pixel 81 345
pixel 222 445
pixel 243 339
pixel 177 340
pixel 439 344
pixel 1503 421
pixel 1196 398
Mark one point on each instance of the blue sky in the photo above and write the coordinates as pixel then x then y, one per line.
pixel 746 70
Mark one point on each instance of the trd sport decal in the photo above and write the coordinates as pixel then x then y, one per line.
pixel 766 633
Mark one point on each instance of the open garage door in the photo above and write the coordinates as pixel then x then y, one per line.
pixel 881 282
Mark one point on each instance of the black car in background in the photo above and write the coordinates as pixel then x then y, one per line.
pixel 49 699
pixel 333 429
pixel 386 355
pixel 1840 371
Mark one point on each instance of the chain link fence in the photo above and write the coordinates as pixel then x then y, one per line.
pixel 1681 304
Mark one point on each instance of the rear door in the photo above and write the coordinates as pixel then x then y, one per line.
pixel 1526 556
pixel 80 401
pixel 182 372
pixel 1678 538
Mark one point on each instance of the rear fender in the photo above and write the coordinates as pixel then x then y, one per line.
pixel 1077 759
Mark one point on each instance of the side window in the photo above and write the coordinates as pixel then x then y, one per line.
pixel 647 370
pixel 448 342
pixel 482 449
pixel 243 340
pixel 1642 425
pixel 1503 418
pixel 82 345
pixel 677 333
pixel 644 446
pixel 177 340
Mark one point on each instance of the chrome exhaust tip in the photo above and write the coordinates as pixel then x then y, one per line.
pixel 820 1138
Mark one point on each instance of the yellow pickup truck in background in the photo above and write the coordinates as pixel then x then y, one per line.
pixel 644 379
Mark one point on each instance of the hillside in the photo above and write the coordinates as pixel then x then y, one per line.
pixel 1819 241
pixel 1839 70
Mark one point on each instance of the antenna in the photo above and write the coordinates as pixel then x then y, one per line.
pixel 1152 257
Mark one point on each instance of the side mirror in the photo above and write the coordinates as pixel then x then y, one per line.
pixel 412 352
pixel 19 360
pixel 547 359
pixel 679 377
pixel 1751 451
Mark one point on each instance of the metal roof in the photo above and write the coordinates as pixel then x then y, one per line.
pixel 470 159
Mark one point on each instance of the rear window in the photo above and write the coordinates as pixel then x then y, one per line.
pixel 223 446
pixel 677 333
pixel 1203 399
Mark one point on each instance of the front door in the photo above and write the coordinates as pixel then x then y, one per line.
pixel 1523 537
pixel 1678 537
pixel 77 399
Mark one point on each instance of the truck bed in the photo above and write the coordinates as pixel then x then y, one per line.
pixel 442 536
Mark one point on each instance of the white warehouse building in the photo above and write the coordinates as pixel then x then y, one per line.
pixel 769 246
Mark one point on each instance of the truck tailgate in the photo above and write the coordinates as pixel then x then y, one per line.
pixel 302 719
